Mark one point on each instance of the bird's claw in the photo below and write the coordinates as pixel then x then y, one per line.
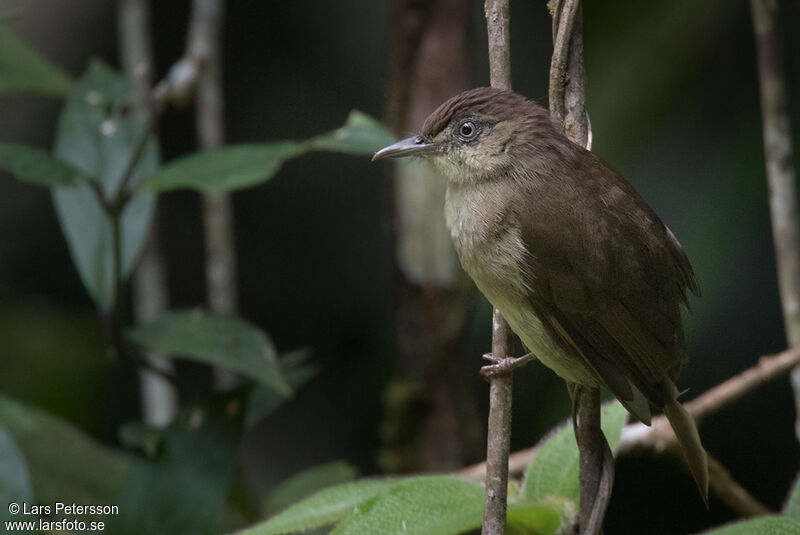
pixel 503 365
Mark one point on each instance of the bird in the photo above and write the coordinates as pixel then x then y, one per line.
pixel 577 262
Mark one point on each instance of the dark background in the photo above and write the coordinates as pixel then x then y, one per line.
pixel 673 98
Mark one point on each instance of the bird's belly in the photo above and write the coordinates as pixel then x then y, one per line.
pixel 503 285
pixel 536 337
pixel 491 259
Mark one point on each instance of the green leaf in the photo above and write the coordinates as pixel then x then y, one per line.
pixel 765 525
pixel 225 169
pixel 307 482
pixel 427 505
pixel 37 167
pixel 240 166
pixel 97 136
pixel 215 339
pixel 325 507
pixel 792 506
pixel 360 135
pixel 185 490
pixel 64 464
pixel 24 70
pixel 15 483
pixel 263 401
pixel 536 519
pixel 554 471
pixel 141 436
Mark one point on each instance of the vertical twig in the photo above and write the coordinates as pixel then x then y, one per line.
pixel 205 36
pixel 500 385
pixel 780 173
pixel 158 396
pixel 498 440
pixel 596 473
pixel 567 107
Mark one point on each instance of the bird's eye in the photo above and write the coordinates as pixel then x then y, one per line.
pixel 467 130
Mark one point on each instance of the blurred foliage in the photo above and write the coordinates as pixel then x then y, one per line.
pixel 98 134
pixel 307 482
pixel 767 525
pixel 23 70
pixel 102 153
pixel 214 339
pixel 673 101
pixel 444 504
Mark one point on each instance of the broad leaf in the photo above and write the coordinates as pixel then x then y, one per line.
pixel 554 471
pixel 535 519
pixel 185 490
pixel 37 167
pixel 427 505
pixel 240 166
pixel 323 508
pixel 263 401
pixel 307 482
pixel 141 436
pixel 792 506
pixel 15 484
pixel 98 136
pixel 24 70
pixel 765 525
pixel 64 464
pixel 215 339
pixel 225 169
pixel 360 135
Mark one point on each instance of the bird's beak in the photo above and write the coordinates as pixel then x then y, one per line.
pixel 411 146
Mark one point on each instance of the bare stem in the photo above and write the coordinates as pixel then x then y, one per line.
pixel 204 45
pixel 117 321
pixel 780 172
pixel 158 396
pixel 497 26
pixel 728 491
pixel 596 463
pixel 565 13
pixel 498 443
pixel 567 108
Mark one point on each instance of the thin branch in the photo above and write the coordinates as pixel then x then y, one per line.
pixel 121 195
pixel 564 14
pixel 220 255
pixel 767 369
pixel 201 56
pixel 117 313
pixel 158 396
pixel 498 442
pixel 497 27
pixel 596 472
pixel 728 491
pixel 780 172
pixel 567 108
pixel 660 436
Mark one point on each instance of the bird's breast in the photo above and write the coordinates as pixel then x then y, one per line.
pixel 488 241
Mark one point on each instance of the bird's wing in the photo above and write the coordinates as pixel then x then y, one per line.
pixel 608 284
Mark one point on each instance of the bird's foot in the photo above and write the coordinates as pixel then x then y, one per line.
pixel 503 365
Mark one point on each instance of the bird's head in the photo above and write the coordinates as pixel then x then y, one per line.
pixel 476 134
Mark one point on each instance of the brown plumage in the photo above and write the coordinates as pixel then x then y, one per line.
pixel 581 267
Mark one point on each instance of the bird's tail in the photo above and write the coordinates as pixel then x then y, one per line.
pixel 685 429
